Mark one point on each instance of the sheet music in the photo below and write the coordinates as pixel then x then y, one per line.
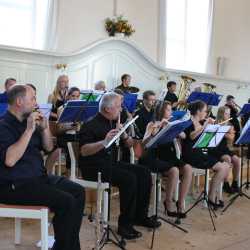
pixel 211 136
pixel 162 131
pixel 124 128
pixel 243 133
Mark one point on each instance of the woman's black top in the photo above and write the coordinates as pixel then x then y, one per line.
pixel 196 157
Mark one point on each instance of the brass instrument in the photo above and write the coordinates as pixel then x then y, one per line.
pixel 185 90
pixel 208 88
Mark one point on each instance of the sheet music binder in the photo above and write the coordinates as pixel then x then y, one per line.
pixel 123 129
pixel 130 101
pixel 211 99
pixel 76 111
pixel 91 95
pixel 168 133
pixel 245 135
pixel 211 136
pixel 245 109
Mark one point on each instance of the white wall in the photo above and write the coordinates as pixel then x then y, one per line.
pixel 81 22
pixel 231 37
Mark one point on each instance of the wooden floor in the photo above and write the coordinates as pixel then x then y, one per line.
pixel 233 232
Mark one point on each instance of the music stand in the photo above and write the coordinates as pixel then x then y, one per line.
pixel 130 101
pixel 166 135
pixel 3 97
pixel 108 230
pixel 245 114
pixel 91 95
pixel 210 138
pixel 82 111
pixel 3 109
pixel 211 99
pixel 242 140
pixel 78 111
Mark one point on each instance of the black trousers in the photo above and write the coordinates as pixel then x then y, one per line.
pixel 134 183
pixel 63 197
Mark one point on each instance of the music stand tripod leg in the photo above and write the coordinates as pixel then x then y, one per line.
pixel 161 218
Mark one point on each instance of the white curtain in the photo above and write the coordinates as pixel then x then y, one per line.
pixel 210 36
pixel 188 34
pixel 50 40
pixel 29 23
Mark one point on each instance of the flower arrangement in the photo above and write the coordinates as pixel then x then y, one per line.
pixel 118 25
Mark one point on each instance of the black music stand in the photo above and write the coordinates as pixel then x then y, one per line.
pixel 244 139
pixel 166 135
pixel 211 137
pixel 121 243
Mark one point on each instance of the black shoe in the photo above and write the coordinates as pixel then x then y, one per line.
pixel 139 234
pixel 180 215
pixel 235 187
pixel 128 232
pixel 227 188
pixel 149 222
pixel 167 212
pixel 213 205
pixel 221 204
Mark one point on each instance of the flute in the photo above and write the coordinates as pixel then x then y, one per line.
pixel 225 121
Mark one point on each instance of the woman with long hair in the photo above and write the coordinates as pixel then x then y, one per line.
pixel 164 160
pixel 59 95
pixel 196 156
pixel 223 153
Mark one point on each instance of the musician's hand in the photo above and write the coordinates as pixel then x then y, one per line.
pixel 110 135
pixel 42 121
pixel 31 122
pixel 210 121
pixel 164 122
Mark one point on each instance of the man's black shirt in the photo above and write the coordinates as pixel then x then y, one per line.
pixel 93 131
pixel 145 117
pixel 31 163
pixel 171 97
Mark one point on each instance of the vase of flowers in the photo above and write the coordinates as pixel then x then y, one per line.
pixel 118 27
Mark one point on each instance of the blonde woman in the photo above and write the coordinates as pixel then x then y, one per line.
pixel 58 97
pixel 223 153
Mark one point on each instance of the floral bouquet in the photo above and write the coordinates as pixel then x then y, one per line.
pixel 118 25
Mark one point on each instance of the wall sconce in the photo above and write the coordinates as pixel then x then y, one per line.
pixel 62 66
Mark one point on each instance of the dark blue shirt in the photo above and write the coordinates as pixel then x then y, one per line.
pixel 31 163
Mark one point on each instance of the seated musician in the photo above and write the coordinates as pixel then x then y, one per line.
pixel 164 160
pixel 23 177
pixel 100 86
pixel 58 97
pixel 146 112
pixel 67 131
pixel 133 181
pixel 196 157
pixel 125 85
pixel 223 153
pixel 234 115
pixel 7 85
